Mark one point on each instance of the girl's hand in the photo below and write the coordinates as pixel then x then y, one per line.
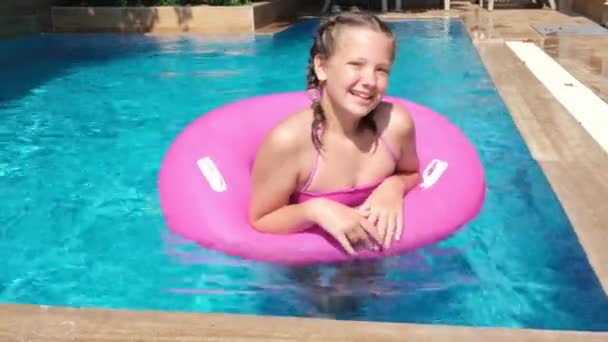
pixel 384 209
pixel 346 225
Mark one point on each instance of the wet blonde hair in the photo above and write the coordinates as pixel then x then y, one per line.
pixel 324 45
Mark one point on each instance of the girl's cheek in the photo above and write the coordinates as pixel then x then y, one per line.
pixel 383 81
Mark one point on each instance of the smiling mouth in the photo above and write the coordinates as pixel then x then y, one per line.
pixel 362 96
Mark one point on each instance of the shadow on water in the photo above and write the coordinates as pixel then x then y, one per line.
pixel 407 288
pixel 414 287
pixel 29 61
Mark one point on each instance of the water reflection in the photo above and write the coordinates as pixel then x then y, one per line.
pixel 392 288
pixel 337 290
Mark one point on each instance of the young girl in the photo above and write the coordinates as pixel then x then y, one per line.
pixel 346 163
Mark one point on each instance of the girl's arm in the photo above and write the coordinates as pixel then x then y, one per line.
pixel 274 178
pixel 406 173
pixel 384 207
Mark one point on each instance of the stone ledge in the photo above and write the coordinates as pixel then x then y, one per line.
pixel 178 19
pixel 43 323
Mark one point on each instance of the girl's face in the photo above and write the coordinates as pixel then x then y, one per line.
pixel 356 75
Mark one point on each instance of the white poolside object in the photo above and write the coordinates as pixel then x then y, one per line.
pixel 584 105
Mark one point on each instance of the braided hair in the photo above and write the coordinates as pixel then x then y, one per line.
pixel 324 46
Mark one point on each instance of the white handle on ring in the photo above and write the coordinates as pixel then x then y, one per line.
pixel 433 172
pixel 212 174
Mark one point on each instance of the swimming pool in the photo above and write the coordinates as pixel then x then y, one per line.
pixel 86 120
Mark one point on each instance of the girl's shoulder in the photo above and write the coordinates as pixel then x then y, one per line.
pixel 291 135
pixel 394 119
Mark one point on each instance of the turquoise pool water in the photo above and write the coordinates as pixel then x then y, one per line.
pixel 85 121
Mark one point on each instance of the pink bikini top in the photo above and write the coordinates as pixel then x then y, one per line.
pixel 350 196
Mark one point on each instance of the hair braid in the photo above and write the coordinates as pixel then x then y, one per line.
pixel 319 47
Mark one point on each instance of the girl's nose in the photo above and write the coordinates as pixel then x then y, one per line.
pixel 368 77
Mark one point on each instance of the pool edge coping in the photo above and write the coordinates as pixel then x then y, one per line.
pixel 25 321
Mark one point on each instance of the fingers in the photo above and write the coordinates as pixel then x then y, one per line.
pixel 390 231
pixel 364 212
pixel 382 225
pixel 369 244
pixel 399 226
pixel 363 237
pixel 356 235
pixel 372 218
pixel 371 230
pixel 345 244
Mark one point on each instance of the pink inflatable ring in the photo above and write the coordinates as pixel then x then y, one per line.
pixel 204 184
